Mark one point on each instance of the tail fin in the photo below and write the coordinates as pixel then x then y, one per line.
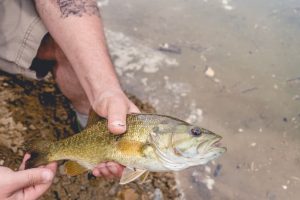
pixel 39 151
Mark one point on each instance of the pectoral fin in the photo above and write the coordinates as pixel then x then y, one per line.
pixel 130 175
pixel 145 176
pixel 72 168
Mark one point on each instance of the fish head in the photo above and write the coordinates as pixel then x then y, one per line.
pixel 185 145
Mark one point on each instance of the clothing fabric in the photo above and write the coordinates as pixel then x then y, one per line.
pixel 21 32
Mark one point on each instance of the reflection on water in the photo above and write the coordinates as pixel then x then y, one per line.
pixel 252 98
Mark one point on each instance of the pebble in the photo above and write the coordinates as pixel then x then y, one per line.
pixel 32 127
pixel 217 80
pixel 296 97
pixel 240 130
pixel 158 195
pixel 171 48
pixel 284 187
pixel 253 144
pixel 217 171
pixel 207 169
pixel 128 194
pixel 203 58
pixel 285 119
pixel 210 72
pixel 113 190
pixel 209 182
pixel 55 180
pixel 1 162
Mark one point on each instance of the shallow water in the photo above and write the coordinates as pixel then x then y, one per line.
pixel 252 99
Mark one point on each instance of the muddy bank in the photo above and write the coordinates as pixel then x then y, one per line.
pixel 33 110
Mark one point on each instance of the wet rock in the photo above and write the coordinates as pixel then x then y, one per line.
pixel 284 119
pixel 158 195
pixel 170 48
pixel 128 194
pixel 209 72
pixel 47 99
pixel 217 171
pixel 114 189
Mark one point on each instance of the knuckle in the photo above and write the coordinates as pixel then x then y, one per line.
pixel 31 179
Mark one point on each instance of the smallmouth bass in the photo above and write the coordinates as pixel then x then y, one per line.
pixel 152 142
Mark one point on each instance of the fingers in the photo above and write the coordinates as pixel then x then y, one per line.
pixel 26 157
pixel 32 177
pixel 52 166
pixel 116 116
pixel 108 170
pixel 35 182
pixel 115 169
pixel 133 108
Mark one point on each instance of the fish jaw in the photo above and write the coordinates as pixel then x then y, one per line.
pixel 185 151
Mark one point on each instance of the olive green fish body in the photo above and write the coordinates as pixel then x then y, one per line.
pixel 95 144
pixel 152 142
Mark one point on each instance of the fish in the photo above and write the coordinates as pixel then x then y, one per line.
pixel 152 143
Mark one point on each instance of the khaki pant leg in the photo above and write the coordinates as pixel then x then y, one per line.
pixel 21 32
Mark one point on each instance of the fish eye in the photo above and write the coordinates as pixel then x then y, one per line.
pixel 196 131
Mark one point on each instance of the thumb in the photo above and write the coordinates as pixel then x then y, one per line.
pixel 31 177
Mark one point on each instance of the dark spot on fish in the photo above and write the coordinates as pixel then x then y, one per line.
pixel 196 131
pixel 118 137
pixel 155 129
pixel 176 152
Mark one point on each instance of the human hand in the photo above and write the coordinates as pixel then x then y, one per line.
pixel 26 184
pixel 114 105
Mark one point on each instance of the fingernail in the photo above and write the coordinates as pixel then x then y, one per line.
pixel 47 176
pixel 118 123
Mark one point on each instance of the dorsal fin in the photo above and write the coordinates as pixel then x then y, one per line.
pixel 93 118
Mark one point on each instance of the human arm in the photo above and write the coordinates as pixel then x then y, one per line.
pixel 26 184
pixel 77 28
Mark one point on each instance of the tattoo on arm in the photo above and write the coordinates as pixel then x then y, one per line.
pixel 78 7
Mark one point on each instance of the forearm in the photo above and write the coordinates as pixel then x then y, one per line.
pixel 77 28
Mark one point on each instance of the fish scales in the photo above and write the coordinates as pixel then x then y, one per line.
pixel 152 142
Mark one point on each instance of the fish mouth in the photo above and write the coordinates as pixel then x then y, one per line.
pixel 216 142
pixel 212 145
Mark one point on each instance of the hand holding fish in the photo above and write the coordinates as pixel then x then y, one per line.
pixel 27 184
pixel 113 105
